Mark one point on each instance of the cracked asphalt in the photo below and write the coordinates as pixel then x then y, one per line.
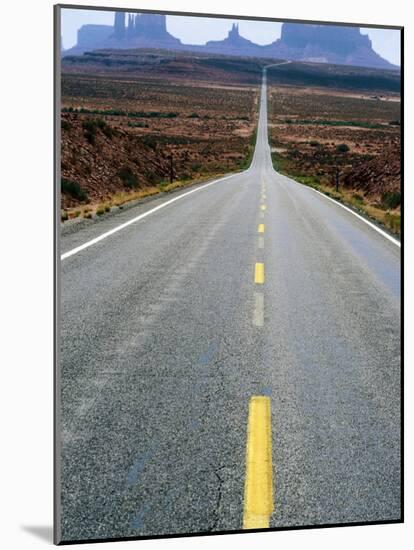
pixel 159 358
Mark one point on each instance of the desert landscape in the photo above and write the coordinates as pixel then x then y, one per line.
pixel 229 289
pixel 345 142
pixel 140 122
pixel 126 136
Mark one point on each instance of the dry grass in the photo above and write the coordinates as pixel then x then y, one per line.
pixel 391 219
pixel 123 198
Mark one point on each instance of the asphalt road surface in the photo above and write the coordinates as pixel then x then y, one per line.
pixel 251 286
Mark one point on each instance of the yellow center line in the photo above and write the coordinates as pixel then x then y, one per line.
pixel 260 229
pixel 263 207
pixel 259 273
pixel 258 489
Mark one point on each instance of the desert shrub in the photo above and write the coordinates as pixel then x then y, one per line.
pixel 314 143
pixel 118 112
pixel 100 211
pixel 393 221
pixel 107 130
pixel 194 115
pixel 137 124
pixel 90 127
pixel 64 215
pixel 357 197
pixel 153 178
pixel 128 177
pixel 150 141
pixel 342 148
pixel 73 189
pixel 324 122
pixel 65 125
pixel 391 199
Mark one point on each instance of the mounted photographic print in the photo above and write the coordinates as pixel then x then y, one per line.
pixel 228 274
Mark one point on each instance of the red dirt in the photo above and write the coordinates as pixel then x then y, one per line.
pixel 377 176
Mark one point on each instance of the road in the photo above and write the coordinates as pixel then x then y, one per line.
pixel 251 286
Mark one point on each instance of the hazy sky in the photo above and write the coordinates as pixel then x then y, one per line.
pixel 198 30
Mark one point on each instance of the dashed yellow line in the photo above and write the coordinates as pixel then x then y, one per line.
pixel 259 273
pixel 260 229
pixel 258 489
pixel 263 207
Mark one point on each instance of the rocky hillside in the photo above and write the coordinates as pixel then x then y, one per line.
pixel 99 161
pixel 378 177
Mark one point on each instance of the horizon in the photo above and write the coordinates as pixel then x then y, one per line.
pixel 194 30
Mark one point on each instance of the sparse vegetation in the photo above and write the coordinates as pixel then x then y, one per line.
pixel 128 177
pixel 391 199
pixel 317 132
pixel 391 220
pixel 91 127
pixel 73 189
pixel 65 125
pixel 358 197
pixel 322 122
pixel 137 124
pixel 118 112
pixel 342 148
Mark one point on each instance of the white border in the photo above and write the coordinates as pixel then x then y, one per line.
pixel 27 283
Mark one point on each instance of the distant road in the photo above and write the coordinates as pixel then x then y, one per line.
pixel 253 286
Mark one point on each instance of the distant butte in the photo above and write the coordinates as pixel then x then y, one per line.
pixel 343 45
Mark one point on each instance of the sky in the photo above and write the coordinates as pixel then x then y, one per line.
pixel 198 30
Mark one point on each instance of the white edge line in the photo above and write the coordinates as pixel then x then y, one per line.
pixel 140 217
pixel 383 233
